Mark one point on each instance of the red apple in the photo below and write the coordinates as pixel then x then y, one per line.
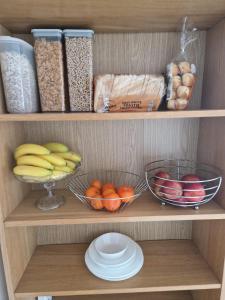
pixel 162 175
pixel 190 177
pixel 172 190
pixel 157 187
pixel 158 182
pixel 181 200
pixel 195 190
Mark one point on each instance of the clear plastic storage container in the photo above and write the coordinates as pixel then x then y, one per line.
pixel 79 54
pixel 18 75
pixel 50 69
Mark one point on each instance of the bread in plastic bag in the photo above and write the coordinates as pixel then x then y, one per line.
pixel 128 93
pixel 181 72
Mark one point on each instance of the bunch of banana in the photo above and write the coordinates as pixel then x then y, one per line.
pixel 52 161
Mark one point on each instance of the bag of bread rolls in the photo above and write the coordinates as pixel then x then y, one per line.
pixel 128 93
pixel 181 72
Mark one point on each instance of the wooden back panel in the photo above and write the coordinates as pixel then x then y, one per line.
pixel 126 145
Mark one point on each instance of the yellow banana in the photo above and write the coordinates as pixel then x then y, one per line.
pixel 56 147
pixel 54 159
pixel 31 171
pixel 30 149
pixel 56 175
pixel 32 160
pixel 34 179
pixel 70 156
pixel 70 164
pixel 64 169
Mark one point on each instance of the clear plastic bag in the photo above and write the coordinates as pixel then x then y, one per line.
pixel 128 93
pixel 181 72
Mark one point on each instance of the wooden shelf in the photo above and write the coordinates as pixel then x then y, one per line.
pixel 59 270
pixel 144 209
pixel 138 296
pixel 37 117
pixel 116 16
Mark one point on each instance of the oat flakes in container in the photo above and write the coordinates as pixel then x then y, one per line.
pixel 18 75
pixel 79 55
pixel 50 69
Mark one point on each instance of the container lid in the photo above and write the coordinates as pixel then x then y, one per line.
pixel 47 32
pixel 78 32
pixel 5 39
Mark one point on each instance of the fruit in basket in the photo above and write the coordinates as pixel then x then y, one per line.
pixel 96 183
pixel 30 149
pixel 92 192
pixel 162 175
pixel 31 171
pixel 158 190
pixel 64 169
pixel 97 203
pixel 70 164
pixel 194 192
pixel 190 177
pixel 70 156
pixel 108 191
pixel 108 186
pixel 112 202
pixel 126 192
pixel 158 182
pixel 34 179
pixel 54 159
pixel 172 190
pixel 32 160
pixel 56 175
pixel 56 147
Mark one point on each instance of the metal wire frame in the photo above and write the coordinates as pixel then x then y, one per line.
pixel 210 178
pixel 78 184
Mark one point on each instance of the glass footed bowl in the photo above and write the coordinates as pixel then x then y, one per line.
pixel 51 200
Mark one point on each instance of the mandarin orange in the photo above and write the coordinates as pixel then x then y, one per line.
pixel 96 183
pixel 113 203
pixel 126 192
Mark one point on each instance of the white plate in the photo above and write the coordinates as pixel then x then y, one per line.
pixel 128 255
pixel 117 274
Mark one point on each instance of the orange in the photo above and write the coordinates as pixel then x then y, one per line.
pixel 108 191
pixel 96 183
pixel 112 205
pixel 91 191
pixel 126 192
pixel 108 186
pixel 97 203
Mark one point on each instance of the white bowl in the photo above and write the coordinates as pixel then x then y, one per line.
pixel 126 258
pixel 111 245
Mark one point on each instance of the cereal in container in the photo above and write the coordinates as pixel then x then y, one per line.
pixel 181 72
pixel 50 69
pixel 18 75
pixel 79 56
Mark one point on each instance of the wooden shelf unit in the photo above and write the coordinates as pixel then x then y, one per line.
pixel 43 252
pixel 47 117
pixel 59 270
pixel 144 209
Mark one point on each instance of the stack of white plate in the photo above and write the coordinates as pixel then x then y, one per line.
pixel 114 256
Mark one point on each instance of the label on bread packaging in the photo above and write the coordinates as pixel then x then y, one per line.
pixel 133 103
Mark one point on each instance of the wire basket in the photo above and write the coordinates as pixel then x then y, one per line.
pixel 182 182
pixel 79 184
